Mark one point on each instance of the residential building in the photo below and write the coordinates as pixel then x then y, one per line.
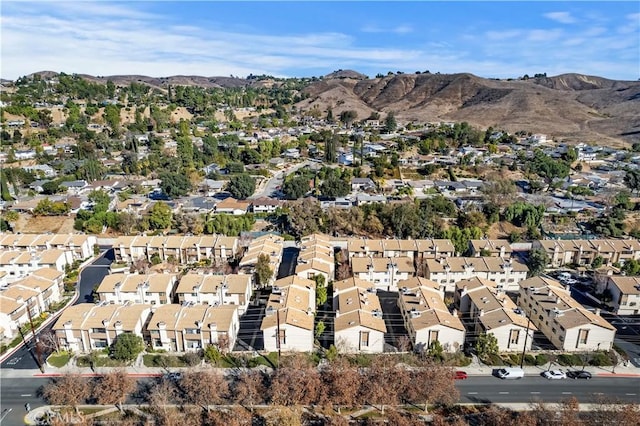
pixel 494 248
pixel 488 310
pixel 265 205
pixel 270 245
pixel 19 264
pixel 426 316
pixel 428 249
pixel 80 245
pixel 316 258
pixel 218 289
pixel 87 327
pixel 288 324
pixel 359 325
pixel 625 294
pixel 584 252
pixel 153 289
pixel 183 249
pixel 568 326
pixel 190 327
pixel 384 273
pixel 232 206
pixel 506 273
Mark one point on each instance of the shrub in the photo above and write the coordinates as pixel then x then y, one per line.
pixel 541 359
pixel 569 360
pixel 191 359
pixel 599 359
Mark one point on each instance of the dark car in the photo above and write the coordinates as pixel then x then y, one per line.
pixel 579 374
pixel 460 375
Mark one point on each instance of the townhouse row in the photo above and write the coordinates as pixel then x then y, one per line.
pixel 81 246
pixel 27 298
pixel 270 245
pixel 16 265
pixel 584 252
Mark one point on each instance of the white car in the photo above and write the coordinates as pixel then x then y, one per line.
pixel 554 375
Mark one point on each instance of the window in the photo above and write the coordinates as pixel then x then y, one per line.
pixel 364 339
pixel 583 335
pixel 433 336
pixel 192 331
pixel 513 338
pixel 98 330
pixel 282 338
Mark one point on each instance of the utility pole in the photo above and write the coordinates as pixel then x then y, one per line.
pixel 278 335
pixel 524 348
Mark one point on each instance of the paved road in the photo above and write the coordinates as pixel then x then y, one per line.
pixel 16 393
pixel 271 186
pixel 288 263
pixel 531 388
pixel 25 357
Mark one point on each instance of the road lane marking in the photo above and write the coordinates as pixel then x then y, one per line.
pixel 631 394
pixel 472 393
pixel 503 393
pixel 598 393
pixel 566 393
pixel 26 394
pixel 535 393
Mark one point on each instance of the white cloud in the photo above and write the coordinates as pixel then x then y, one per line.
pixel 562 17
pixel 400 29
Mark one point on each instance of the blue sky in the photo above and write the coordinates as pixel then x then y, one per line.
pixel 211 38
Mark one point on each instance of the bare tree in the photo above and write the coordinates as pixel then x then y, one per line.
pixel 249 388
pixel 49 341
pixel 160 398
pixel 283 416
pixel 430 384
pixel 114 387
pixel 383 383
pixel 68 389
pixel 204 387
pixel 341 383
pixel 141 265
pixel 295 382
pixel 230 417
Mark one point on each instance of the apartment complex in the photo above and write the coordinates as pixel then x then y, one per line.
pixel 488 310
pixel 288 324
pixel 358 326
pixel 494 248
pixel 270 245
pixel 19 264
pixel 384 273
pixel 81 246
pixel 568 325
pixel 426 316
pixel 507 273
pixel 87 326
pixel 190 327
pixel 625 294
pixel 584 252
pixel 215 289
pixel 316 258
pixel 427 249
pixel 182 249
pixel 152 289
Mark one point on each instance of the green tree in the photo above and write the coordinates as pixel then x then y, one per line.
pixel 348 117
pixel 263 271
pixel 537 261
pixel 632 179
pixel 127 346
pixel 241 186
pixel 631 267
pixel 390 124
pixel 295 187
pixel 334 187
pixel 160 216
pixel 175 184
pixel 320 328
pixel 486 345
pixel 597 262
pixel 321 290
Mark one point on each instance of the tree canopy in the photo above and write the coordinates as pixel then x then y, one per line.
pixel 241 186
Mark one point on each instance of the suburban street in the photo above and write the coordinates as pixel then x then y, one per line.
pixel 276 180
pixel 14 393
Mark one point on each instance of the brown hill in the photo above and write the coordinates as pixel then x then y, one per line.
pixel 571 107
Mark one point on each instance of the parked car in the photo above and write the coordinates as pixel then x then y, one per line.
pixel 511 373
pixel 174 377
pixel 460 375
pixel 554 375
pixel 578 374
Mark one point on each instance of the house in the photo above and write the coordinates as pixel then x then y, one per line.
pixel 316 258
pixel 288 324
pixel 232 206
pixel 43 170
pixel 362 184
pixel 568 326
pixel 345 159
pixel 312 268
pixel 214 290
pixel 584 252
pixel 358 326
pixel 81 246
pixel 265 205
pixel 87 327
pixel 625 294
pixel 74 186
pixel 19 264
pixel 448 271
pixel 495 248
pixel 384 273
pixel 153 289
pixel 268 244
pixel 291 153
pixel 490 311
pixel 426 316
pixel 427 249
pixel 190 327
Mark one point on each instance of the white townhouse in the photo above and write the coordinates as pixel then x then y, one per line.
pixel 507 273
pixel 87 327
pixel 152 289
pixel 625 294
pixel 19 264
pixel 490 311
pixel 565 322
pixel 384 273
pixel 215 289
pixel 359 326
pixel 426 316
pixel 80 245
pixel 189 327
pixel 288 324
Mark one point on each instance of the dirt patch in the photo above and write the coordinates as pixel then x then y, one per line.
pixel 501 230
pixel 28 224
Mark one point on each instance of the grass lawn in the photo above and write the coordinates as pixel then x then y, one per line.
pixel 156 360
pixel 59 360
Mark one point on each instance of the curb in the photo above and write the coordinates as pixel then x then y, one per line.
pixel 97 375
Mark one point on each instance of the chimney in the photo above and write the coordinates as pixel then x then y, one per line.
pixel 597 312
pixel 337 313
pixel 118 327
pixel 549 293
pixel 481 313
pixel 455 312
pixel 465 289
